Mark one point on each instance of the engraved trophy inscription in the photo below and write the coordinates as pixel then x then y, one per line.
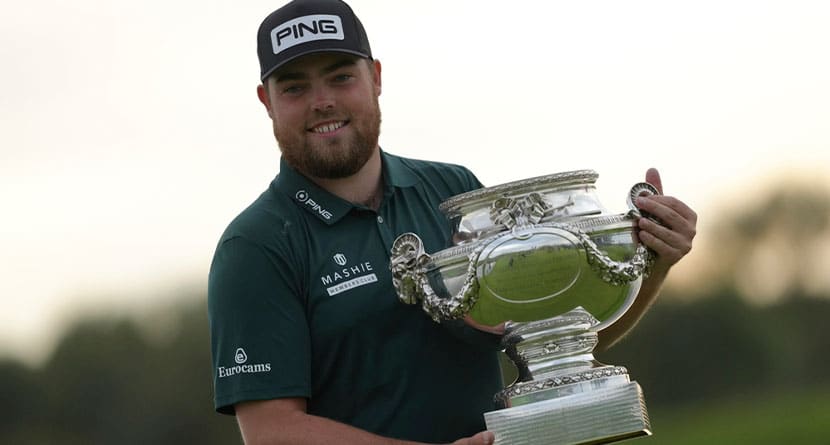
pixel 543 256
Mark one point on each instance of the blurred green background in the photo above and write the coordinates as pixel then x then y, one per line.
pixel 738 355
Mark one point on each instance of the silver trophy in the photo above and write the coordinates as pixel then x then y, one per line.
pixel 543 256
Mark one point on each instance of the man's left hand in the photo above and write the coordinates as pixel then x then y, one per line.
pixel 672 239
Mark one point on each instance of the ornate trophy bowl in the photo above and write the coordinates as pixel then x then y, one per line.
pixel 543 256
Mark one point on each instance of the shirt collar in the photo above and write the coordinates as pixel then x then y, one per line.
pixel 330 208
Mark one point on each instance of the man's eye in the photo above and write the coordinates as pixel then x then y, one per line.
pixel 342 77
pixel 293 89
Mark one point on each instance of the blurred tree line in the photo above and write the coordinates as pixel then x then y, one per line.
pixel 137 381
pixel 117 382
pixel 721 347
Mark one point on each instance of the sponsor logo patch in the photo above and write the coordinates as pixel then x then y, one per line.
pixel 303 197
pixel 241 358
pixel 351 284
pixel 349 277
pixel 306 29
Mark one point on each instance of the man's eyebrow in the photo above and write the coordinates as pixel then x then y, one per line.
pixel 299 75
pixel 289 76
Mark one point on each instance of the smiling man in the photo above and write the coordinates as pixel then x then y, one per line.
pixel 310 344
pixel 309 340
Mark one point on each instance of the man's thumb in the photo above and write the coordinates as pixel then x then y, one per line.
pixel 653 178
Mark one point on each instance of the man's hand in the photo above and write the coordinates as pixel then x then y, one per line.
pixel 672 240
pixel 482 438
pixel 497 329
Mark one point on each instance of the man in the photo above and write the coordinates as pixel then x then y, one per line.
pixel 309 342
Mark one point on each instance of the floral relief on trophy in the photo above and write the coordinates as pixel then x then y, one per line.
pixel 526 210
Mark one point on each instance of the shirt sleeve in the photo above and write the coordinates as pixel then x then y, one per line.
pixel 258 327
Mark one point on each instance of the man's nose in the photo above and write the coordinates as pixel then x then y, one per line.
pixel 323 99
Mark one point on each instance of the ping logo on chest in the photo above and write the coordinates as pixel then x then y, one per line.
pixel 348 276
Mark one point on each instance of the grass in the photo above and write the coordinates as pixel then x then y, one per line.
pixel 792 418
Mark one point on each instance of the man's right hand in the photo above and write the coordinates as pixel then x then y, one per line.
pixel 482 438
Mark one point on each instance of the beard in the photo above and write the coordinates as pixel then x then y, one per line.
pixel 335 158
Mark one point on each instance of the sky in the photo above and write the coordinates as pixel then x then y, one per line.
pixel 130 132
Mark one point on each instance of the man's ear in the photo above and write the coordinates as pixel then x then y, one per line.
pixel 376 75
pixel 262 93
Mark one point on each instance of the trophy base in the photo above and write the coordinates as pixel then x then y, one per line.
pixel 592 417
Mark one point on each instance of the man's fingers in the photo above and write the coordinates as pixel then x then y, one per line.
pixel 665 238
pixel 668 209
pixel 672 238
pixel 482 438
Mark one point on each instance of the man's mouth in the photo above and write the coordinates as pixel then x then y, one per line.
pixel 328 127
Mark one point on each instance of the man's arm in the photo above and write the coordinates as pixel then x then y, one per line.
pixel 671 241
pixel 285 421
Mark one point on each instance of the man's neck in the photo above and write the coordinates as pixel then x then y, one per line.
pixel 364 187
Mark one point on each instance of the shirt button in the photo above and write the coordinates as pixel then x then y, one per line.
pixel 380 219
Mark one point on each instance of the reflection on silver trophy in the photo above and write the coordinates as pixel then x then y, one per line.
pixel 543 256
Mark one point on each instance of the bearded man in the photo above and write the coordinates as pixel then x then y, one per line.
pixel 310 344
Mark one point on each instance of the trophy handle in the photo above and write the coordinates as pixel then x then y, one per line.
pixel 407 261
pixel 410 266
pixel 622 272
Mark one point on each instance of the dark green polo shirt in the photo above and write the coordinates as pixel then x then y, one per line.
pixel 301 304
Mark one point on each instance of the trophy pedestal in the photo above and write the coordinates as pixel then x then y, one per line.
pixel 592 417
pixel 563 396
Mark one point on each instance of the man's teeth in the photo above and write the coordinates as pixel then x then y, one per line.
pixel 327 127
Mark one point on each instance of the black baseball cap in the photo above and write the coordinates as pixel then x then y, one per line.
pixel 309 26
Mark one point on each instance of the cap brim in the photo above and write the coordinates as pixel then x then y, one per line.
pixel 312 51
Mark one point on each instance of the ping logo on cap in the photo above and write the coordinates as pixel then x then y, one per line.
pixel 306 29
